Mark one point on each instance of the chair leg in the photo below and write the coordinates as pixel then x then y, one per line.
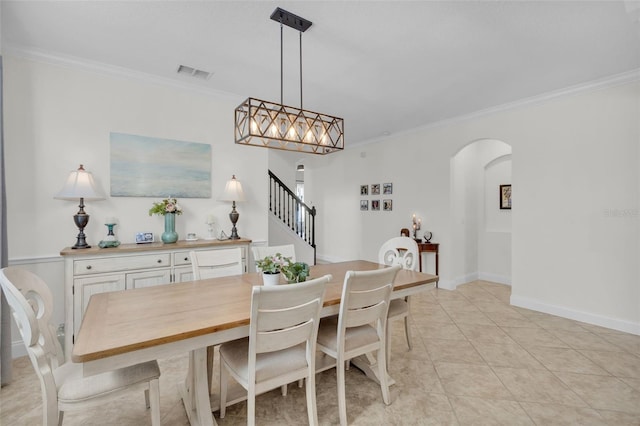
pixel 382 373
pixel 154 397
pixel 407 331
pixel 342 398
pixel 224 379
pixel 283 390
pixel 312 410
pixel 251 405
pixel 387 345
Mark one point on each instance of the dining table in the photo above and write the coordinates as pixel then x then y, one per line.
pixel 123 328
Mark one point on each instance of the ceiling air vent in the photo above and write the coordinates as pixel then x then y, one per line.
pixel 193 72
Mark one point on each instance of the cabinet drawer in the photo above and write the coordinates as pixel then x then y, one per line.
pixel 181 258
pixel 113 264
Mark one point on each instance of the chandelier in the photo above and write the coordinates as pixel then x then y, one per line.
pixel 279 126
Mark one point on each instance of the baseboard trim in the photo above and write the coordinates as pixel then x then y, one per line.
pixel 495 278
pixel 589 318
pixel 17 349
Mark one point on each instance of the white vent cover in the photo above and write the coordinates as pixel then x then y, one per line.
pixel 193 72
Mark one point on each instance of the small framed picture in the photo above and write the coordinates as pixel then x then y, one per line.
pixel 144 237
pixel 364 204
pixel 387 188
pixel 364 189
pixel 505 197
pixel 387 205
pixel 375 189
pixel 375 204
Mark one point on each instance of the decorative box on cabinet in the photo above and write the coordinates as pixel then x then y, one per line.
pixel 128 266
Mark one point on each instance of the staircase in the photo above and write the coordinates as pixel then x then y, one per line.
pixel 294 214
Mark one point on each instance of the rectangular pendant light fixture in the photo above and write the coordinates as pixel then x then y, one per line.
pixel 278 126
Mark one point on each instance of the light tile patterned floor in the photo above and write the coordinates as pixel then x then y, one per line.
pixel 476 360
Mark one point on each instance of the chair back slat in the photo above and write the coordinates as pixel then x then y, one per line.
pixel 400 251
pixel 216 263
pixel 365 297
pixel 285 316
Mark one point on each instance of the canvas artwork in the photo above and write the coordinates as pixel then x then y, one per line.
pixel 143 166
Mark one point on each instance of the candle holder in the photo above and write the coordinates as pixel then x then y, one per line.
pixel 211 232
pixel 417 224
pixel 110 240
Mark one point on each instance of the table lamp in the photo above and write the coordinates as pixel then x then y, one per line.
pixel 233 192
pixel 80 185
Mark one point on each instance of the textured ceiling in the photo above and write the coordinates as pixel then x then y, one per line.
pixel 384 66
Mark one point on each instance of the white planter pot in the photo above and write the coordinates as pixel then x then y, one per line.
pixel 271 279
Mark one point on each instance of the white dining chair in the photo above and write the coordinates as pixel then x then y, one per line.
pixel 400 251
pixel 213 264
pixel 281 347
pixel 287 250
pixel 216 263
pixel 360 327
pixel 62 385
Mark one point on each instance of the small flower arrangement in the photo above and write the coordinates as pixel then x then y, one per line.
pixel 168 205
pixel 272 264
pixel 294 272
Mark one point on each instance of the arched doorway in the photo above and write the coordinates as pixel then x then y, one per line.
pixel 481 231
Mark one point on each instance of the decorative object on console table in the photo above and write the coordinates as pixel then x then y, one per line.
pixel 417 224
pixel 211 233
pixel 427 236
pixel 168 208
pixel 233 192
pixel 110 240
pixel 80 185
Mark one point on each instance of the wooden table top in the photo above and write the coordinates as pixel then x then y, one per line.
pixel 128 320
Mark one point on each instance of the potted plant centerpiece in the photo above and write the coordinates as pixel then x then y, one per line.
pixel 274 266
pixel 168 208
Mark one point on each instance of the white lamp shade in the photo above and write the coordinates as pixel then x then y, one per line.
pixel 232 191
pixel 79 184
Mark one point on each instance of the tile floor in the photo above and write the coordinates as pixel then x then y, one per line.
pixel 476 360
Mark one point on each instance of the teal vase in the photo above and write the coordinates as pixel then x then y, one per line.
pixel 169 236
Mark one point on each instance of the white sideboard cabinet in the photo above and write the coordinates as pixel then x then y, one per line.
pixel 128 266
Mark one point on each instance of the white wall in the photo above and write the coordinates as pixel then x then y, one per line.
pixel 57 117
pixel 575 168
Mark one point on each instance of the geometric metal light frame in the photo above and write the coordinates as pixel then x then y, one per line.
pixel 273 125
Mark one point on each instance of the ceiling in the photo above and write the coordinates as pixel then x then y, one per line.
pixel 384 66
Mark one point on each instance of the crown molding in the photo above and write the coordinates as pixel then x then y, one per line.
pixel 598 84
pixel 112 70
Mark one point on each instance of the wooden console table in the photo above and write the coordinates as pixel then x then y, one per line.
pixel 428 248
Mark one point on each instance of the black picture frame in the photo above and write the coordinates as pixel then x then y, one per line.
pixel 364 205
pixel 387 188
pixel 387 205
pixel 375 189
pixel 505 197
pixel 364 190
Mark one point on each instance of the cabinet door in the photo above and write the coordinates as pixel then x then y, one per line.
pixel 84 288
pixel 183 273
pixel 148 278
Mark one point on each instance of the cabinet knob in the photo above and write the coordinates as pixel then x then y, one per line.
pixel 159 260
pixel 186 259
pixel 88 266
